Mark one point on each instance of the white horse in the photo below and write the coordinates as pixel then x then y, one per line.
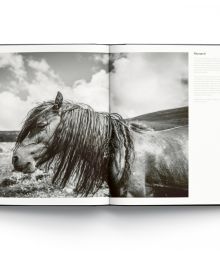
pixel 97 147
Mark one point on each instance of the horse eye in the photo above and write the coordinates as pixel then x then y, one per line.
pixel 41 125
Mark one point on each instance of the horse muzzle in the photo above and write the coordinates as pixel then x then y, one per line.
pixel 25 167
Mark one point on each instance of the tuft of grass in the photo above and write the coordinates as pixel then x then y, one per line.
pixel 38 184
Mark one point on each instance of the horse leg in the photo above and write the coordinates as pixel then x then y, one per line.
pixel 136 186
pixel 136 183
pixel 115 189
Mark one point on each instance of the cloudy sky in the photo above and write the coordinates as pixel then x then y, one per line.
pixel 140 82
pixel 29 78
pixel 148 82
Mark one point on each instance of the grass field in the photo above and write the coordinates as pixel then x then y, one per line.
pixel 38 184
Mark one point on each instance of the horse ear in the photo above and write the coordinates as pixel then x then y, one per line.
pixel 58 101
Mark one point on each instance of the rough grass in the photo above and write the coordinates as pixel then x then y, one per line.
pixel 38 184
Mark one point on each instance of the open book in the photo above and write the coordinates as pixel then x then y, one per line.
pixel 109 124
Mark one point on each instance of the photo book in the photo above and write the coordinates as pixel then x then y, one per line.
pixel 109 124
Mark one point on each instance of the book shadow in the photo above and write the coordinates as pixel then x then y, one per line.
pixel 109 211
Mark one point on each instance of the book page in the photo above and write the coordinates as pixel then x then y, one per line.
pixel 51 150
pixel 169 97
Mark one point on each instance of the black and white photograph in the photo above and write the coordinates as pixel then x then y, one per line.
pixel 34 123
pixel 150 91
pixel 78 124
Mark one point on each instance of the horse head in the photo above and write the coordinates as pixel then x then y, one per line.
pixel 36 134
pixel 71 138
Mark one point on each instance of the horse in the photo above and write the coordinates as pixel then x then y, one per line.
pixel 92 148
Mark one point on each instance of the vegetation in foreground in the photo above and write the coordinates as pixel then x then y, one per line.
pixel 38 184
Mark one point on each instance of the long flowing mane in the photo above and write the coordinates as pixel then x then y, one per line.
pixel 83 145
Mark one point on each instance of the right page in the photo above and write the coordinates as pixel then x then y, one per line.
pixel 168 97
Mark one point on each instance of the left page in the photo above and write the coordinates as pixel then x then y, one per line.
pixel 51 148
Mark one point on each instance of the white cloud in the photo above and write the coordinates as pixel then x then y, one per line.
pixel 41 65
pixel 14 62
pixel 44 86
pixel 95 93
pixel 104 58
pixel 13 111
pixel 148 82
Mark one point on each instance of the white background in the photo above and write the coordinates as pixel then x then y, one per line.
pixel 103 242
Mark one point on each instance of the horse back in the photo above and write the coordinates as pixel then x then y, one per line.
pixel 166 160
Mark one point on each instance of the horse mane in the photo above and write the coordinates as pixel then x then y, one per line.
pixel 83 145
pixel 139 127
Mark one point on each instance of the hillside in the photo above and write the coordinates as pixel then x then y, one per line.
pixel 158 120
pixel 163 119
pixel 8 136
